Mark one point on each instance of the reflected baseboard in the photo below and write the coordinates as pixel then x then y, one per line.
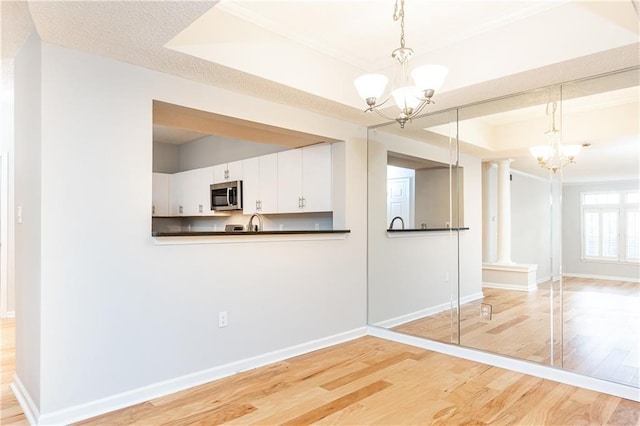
pixel 547 372
pixel 412 316
pixel 602 277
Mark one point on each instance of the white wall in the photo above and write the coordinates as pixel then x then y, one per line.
pixel 7 226
pixel 120 312
pixel 408 273
pixel 212 150
pixel 166 157
pixel 28 244
pixel 572 262
pixel 531 222
pixel 437 197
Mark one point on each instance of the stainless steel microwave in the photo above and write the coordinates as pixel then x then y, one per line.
pixel 226 196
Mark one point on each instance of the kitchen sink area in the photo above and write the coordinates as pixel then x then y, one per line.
pixel 236 224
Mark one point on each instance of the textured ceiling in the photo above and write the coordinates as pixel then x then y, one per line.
pixel 137 31
pixel 15 27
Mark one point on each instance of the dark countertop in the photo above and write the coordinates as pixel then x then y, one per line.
pixel 427 230
pixel 227 234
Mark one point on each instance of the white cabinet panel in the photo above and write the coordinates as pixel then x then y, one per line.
pixel 260 185
pixel 205 188
pixel 250 185
pixel 227 172
pixel 290 181
pixel 160 194
pixel 189 193
pixel 316 178
pixel 176 195
pixel 269 183
pixel 304 179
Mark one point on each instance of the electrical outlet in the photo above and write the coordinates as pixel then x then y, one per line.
pixel 222 319
pixel 486 311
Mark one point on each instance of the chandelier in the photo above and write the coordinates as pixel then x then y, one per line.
pixel 554 155
pixel 410 97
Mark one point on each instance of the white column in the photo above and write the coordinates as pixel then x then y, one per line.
pixel 504 211
pixel 489 212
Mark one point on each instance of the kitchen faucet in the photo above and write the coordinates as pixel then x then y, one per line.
pixel 258 227
pixel 394 219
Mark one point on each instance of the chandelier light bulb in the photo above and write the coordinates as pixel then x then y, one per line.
pixel 371 85
pixel 430 77
pixel 407 98
pixel 554 155
pixel 541 152
pixel 570 151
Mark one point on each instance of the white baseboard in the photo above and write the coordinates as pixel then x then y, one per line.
pixel 545 279
pixel 520 366
pixel 471 298
pixel 412 316
pixel 136 396
pixel 502 286
pixel 602 277
pixel 29 408
pixel 146 393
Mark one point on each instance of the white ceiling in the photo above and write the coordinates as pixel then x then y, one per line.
pixel 300 43
pixel 306 53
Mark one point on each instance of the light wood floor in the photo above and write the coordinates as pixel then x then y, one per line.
pixel 363 382
pixel 599 325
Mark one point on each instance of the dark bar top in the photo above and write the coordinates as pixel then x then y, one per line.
pixel 427 229
pixel 226 234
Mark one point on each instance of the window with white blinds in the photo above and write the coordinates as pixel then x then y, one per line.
pixel 611 226
pixel 633 235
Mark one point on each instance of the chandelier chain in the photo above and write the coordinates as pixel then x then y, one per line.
pixel 399 14
pixel 554 107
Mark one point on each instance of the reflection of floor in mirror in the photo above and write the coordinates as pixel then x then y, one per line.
pixel 601 327
pixel 364 381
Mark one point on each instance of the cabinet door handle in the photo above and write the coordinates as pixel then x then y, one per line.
pixel 180 209
pixel 226 174
pixel 304 202
pixel 153 209
pixel 200 208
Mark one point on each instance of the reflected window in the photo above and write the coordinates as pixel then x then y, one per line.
pixel 611 226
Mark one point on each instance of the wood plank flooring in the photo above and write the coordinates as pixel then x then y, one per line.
pixel 362 382
pixel 599 325
pixel 10 411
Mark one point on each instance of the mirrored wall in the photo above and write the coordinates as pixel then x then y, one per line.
pixel 513 226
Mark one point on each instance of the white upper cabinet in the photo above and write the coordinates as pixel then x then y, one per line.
pixel 205 191
pixel 228 172
pixel 160 194
pixel 304 179
pixel 260 184
pixel 190 195
pixel 316 178
pixel 186 194
pixel 293 181
pixel 290 181
pixel 269 183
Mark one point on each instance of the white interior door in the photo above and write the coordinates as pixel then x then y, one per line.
pixel 399 200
